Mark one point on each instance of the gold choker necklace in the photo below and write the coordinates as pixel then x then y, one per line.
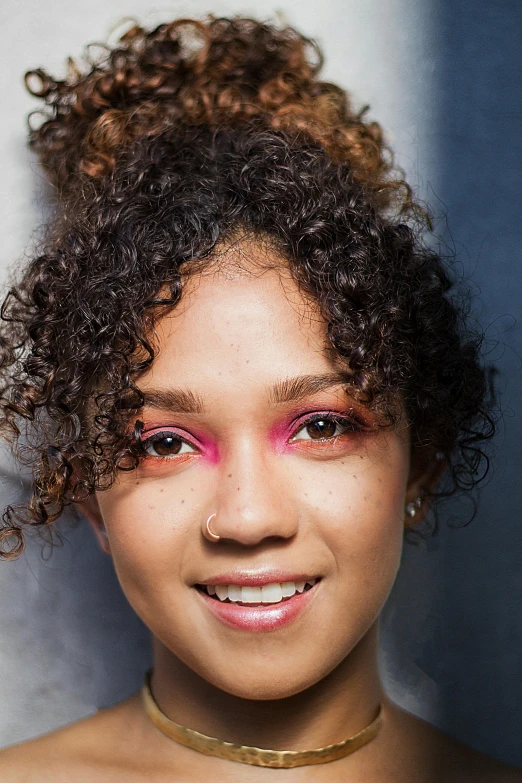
pixel 245 754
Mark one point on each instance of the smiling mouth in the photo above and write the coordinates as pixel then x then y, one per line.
pixel 263 595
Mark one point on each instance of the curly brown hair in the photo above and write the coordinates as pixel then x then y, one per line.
pixel 175 141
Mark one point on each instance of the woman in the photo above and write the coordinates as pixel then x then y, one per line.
pixel 236 357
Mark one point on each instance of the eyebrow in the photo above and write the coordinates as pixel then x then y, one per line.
pixel 287 390
pixel 176 400
pixel 294 389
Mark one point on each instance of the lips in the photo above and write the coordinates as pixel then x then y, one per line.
pixel 259 607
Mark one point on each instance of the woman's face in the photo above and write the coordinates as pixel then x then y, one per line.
pixel 246 419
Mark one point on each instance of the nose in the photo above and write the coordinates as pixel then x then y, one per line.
pixel 254 501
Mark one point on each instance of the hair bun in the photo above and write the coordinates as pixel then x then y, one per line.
pixel 213 72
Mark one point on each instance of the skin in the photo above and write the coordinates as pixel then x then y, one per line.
pixel 332 508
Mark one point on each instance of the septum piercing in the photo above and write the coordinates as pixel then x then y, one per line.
pixel 211 535
pixel 413 507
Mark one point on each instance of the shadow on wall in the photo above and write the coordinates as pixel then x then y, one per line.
pixel 75 644
pixel 468 644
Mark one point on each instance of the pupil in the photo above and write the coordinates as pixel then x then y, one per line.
pixel 167 446
pixel 324 428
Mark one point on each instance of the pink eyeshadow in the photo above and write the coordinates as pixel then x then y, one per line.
pixel 280 432
pixel 209 450
pixel 279 435
pixel 208 447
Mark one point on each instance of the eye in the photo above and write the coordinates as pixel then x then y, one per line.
pixel 324 427
pixel 167 444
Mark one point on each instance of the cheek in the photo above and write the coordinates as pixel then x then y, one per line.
pixel 148 524
pixel 357 504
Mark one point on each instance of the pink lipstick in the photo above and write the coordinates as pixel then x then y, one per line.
pixel 257 602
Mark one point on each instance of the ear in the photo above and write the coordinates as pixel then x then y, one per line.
pixel 91 511
pixel 426 470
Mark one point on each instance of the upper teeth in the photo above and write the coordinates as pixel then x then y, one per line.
pixel 266 594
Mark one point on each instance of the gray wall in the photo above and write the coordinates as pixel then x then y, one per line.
pixel 445 80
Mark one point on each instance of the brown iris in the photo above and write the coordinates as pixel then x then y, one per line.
pixel 166 445
pixel 322 429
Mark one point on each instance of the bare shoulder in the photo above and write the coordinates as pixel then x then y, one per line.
pixel 451 760
pixel 87 750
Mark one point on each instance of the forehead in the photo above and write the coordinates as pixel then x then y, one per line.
pixel 242 317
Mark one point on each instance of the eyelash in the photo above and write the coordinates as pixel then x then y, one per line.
pixel 347 424
pixel 157 437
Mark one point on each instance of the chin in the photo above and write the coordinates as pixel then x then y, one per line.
pixel 266 689
pixel 267 683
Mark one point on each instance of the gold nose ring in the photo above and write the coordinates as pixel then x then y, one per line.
pixel 211 535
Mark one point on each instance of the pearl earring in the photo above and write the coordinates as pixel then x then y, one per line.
pixel 413 507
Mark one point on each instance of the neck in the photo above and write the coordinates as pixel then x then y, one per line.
pixel 338 706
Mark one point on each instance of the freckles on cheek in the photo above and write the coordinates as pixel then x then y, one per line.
pixel 365 502
pixel 141 533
